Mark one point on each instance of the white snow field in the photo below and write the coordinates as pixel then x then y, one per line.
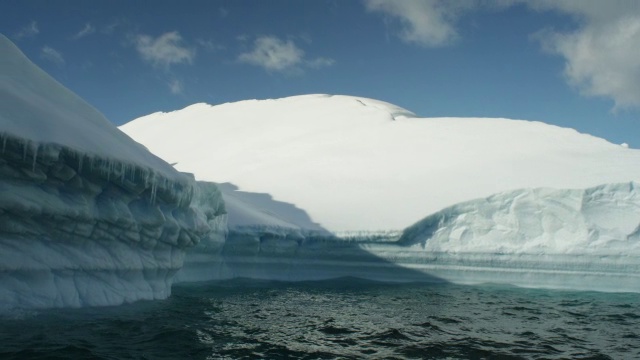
pixel 319 186
pixel 87 215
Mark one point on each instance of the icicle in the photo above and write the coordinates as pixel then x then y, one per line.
pixel 154 189
pixel 24 150
pixel 79 163
pixel 35 157
pixel 4 143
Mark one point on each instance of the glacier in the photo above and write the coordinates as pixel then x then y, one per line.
pixel 88 216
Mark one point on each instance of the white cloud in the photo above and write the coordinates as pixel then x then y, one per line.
pixel 29 30
pixel 592 11
pixel 165 50
pixel 88 29
pixel 601 55
pixel 320 63
pixel 176 86
pixel 274 54
pixel 427 23
pixel 52 55
pixel 210 45
pixel 112 26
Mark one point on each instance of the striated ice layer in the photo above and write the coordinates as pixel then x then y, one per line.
pixel 566 239
pixel 87 216
pixel 94 233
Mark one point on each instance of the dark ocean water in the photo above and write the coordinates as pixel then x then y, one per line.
pixel 345 319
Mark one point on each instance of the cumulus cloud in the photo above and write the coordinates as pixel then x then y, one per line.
pixel 209 45
pixel 52 55
pixel 274 54
pixel 601 55
pixel 165 50
pixel 429 23
pixel 87 30
pixel 27 31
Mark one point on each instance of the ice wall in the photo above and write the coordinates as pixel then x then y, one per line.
pixel 603 220
pixel 87 216
pixel 582 239
pixel 585 239
pixel 78 231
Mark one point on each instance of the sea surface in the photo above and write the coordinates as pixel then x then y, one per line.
pixel 338 319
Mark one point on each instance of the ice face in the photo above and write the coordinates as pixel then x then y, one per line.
pixel 603 220
pixel 87 216
pixel 583 239
pixel 94 233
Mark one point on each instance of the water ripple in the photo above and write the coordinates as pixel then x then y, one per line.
pixel 345 319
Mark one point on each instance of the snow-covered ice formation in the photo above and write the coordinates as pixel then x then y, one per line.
pixel 325 186
pixel 87 215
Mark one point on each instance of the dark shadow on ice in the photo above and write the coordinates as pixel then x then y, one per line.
pixel 275 211
pixel 274 240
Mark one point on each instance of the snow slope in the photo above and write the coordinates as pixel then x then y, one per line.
pixel 87 215
pixel 355 164
pixel 38 109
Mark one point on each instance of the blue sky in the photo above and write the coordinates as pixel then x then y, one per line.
pixel 570 63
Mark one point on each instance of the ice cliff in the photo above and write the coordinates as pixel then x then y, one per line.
pixel 87 215
pixel 319 186
pixel 584 239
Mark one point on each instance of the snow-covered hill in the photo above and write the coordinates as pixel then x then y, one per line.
pixel 87 215
pixel 356 164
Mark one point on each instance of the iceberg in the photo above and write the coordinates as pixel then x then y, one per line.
pixel 301 188
pixel 87 216
pixel 321 186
